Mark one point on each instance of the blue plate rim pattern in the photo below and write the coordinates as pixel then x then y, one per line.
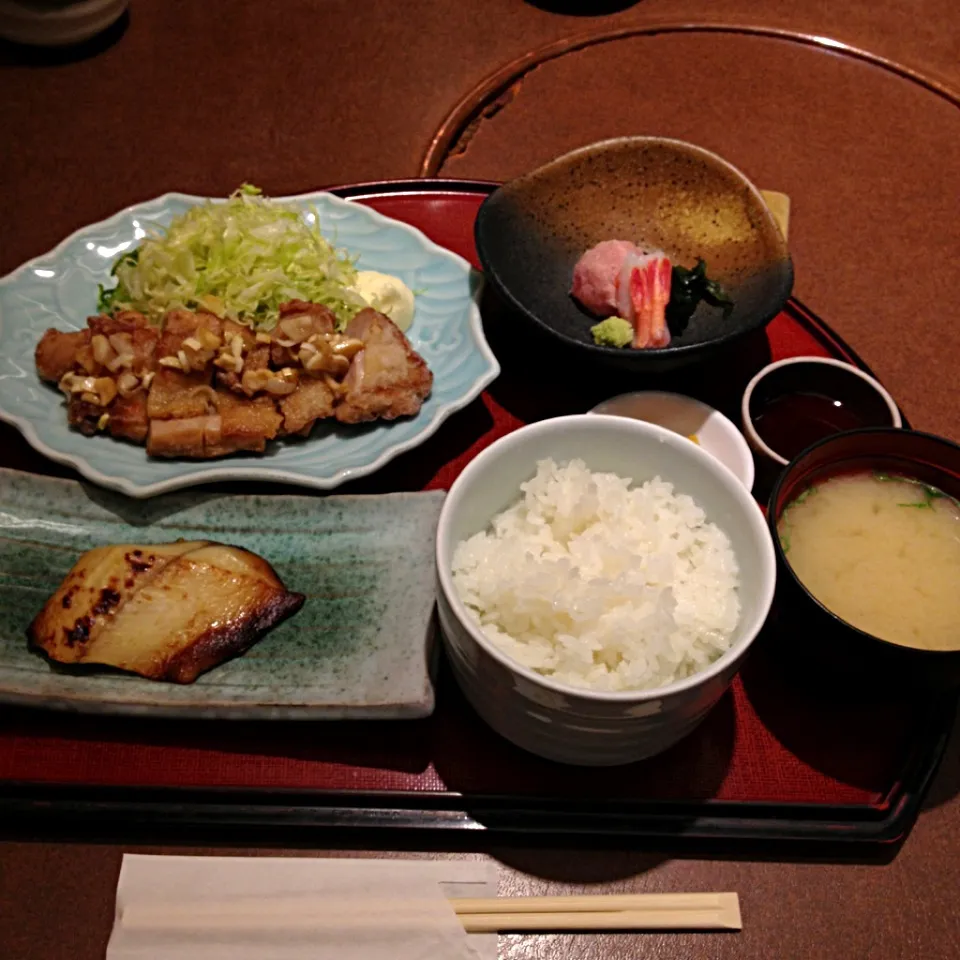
pixel 225 470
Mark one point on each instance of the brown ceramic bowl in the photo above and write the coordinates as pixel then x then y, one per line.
pixel 666 193
pixel 810 633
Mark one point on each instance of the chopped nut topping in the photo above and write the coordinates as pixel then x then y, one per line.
pixel 212 304
pixel 106 390
pixel 317 356
pixel 334 385
pixel 227 361
pixel 171 362
pixel 208 339
pixel 72 383
pixel 279 382
pixel 103 353
pixel 119 361
pixel 127 384
pixel 255 380
pixel 346 346
pixel 296 328
pixel 283 382
pixel 103 421
pixel 99 391
pixel 122 343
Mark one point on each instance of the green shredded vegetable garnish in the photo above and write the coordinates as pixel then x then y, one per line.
pixel 803 496
pixel 239 259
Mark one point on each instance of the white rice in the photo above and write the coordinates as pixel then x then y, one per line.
pixel 598 585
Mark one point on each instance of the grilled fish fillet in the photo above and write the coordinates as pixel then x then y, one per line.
pixel 165 611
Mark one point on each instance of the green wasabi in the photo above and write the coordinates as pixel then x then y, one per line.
pixel 612 332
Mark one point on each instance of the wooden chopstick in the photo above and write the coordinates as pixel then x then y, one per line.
pixel 596 903
pixel 642 911
pixel 645 911
pixel 682 919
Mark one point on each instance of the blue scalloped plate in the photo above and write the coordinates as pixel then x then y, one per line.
pixel 59 289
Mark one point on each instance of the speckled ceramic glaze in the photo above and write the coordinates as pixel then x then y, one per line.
pixel 570 724
pixel 359 647
pixel 661 193
pixel 60 289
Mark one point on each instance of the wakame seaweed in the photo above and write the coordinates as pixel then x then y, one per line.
pixel 688 286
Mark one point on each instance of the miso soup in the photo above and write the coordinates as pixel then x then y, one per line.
pixel 881 552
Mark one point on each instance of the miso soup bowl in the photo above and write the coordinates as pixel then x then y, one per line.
pixel 573 724
pixel 809 633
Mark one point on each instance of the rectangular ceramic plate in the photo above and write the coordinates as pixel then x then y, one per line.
pixel 360 647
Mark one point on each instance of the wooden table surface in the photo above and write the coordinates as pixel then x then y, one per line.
pixel 198 97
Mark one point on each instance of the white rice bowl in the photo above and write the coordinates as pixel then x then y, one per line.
pixel 601 585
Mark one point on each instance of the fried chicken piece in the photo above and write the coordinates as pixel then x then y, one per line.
pixel 189 418
pixel 128 329
pixel 322 319
pixel 256 355
pixel 60 352
pixel 313 400
pixel 183 436
pixel 238 423
pixel 109 360
pixel 299 321
pixel 124 418
pixel 128 417
pixel 165 611
pixel 84 416
pixel 387 378
pixel 56 353
pixel 245 424
pixel 185 323
pixel 175 394
pixel 124 321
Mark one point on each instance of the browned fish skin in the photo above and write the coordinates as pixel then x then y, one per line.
pixel 166 611
pixel 229 640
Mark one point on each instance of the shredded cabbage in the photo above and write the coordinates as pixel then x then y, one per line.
pixel 238 259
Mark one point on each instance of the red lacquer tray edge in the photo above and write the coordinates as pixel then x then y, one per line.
pixel 884 823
